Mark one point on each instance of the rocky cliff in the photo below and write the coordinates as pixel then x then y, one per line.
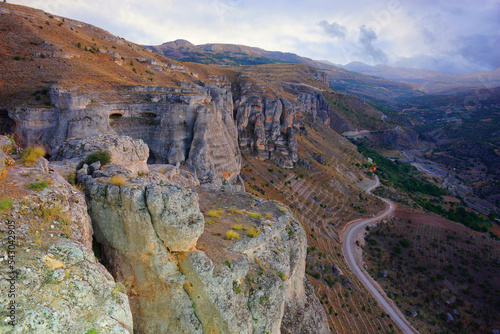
pixel 191 125
pixel 194 125
pixel 149 231
pixel 57 285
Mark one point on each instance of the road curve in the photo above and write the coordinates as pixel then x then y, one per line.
pixel 353 256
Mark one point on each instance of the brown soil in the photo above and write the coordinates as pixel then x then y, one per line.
pixel 436 267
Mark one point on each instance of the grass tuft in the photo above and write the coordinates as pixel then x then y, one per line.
pixel 6 203
pixel 254 215
pixel 215 212
pixel 253 232
pixel 117 180
pixel 231 235
pixel 237 227
pixel 31 155
pixel 38 185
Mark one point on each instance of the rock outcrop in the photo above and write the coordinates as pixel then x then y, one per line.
pixel 58 284
pixel 139 224
pixel 148 231
pixel 266 124
pixel 132 154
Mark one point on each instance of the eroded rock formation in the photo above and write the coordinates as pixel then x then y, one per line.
pixel 132 154
pixel 148 230
pixel 192 125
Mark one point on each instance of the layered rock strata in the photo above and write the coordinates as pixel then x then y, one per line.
pixel 190 125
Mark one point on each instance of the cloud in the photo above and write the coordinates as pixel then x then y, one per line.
pixel 333 29
pixel 480 49
pixel 366 38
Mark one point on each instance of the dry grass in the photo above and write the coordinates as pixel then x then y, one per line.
pixel 237 227
pixel 234 211
pixel 117 180
pixel 31 155
pixel 253 232
pixel 50 213
pixel 232 235
pixel 215 212
pixel 212 221
pixel 254 215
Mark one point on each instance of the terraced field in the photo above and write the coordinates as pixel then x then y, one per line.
pixel 324 199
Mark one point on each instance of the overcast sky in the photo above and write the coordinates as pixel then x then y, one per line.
pixel 453 36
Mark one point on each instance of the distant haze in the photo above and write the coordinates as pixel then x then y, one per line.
pixel 445 35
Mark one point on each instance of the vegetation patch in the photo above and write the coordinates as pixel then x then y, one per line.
pixel 6 203
pixel 253 232
pixel 232 235
pixel 40 185
pixel 117 180
pixel 104 157
pixel 237 227
pixel 254 215
pixel 31 155
pixel 215 213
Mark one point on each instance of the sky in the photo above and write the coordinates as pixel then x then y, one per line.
pixel 453 36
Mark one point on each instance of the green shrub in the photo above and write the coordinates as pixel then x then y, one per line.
pixel 71 178
pixel 104 157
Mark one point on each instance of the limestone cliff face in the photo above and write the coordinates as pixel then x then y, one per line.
pixel 139 225
pixel 149 230
pixel 192 125
pixel 266 124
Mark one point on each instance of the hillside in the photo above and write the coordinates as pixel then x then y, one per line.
pixel 413 258
pixel 338 78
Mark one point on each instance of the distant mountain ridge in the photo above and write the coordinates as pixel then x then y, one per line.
pixel 434 81
pixel 236 55
pixel 231 54
pixel 381 82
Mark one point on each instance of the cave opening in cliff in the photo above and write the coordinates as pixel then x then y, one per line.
pixel 148 115
pixel 115 116
pixel 7 124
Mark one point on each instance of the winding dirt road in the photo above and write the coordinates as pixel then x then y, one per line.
pixel 352 253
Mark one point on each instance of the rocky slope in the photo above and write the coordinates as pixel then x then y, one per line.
pixel 56 283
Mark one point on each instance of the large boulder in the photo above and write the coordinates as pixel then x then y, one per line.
pixel 150 232
pixel 130 153
pixel 139 224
